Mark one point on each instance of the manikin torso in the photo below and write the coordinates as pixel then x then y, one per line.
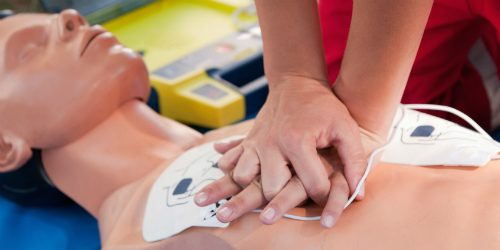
pixel 406 207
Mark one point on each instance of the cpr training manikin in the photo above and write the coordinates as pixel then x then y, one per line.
pixel 74 92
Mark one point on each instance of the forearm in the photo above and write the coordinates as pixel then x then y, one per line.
pixel 293 44
pixel 383 41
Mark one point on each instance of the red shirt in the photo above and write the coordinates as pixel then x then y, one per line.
pixel 441 74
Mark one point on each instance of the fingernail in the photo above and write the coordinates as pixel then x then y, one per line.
pixel 225 212
pixel 200 198
pixel 362 191
pixel 222 143
pixel 269 213
pixel 327 221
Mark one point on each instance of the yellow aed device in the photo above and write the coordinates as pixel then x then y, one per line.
pixel 206 70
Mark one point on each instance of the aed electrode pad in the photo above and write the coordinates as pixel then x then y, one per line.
pixel 426 140
pixel 415 139
pixel 170 208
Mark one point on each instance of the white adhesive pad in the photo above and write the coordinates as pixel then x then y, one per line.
pixel 425 140
pixel 170 208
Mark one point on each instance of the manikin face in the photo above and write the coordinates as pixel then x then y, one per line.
pixel 59 77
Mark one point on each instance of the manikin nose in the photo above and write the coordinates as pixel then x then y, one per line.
pixel 70 21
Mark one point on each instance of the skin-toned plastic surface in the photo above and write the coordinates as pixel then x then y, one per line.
pixel 62 83
pixel 103 147
pixel 62 76
pixel 405 207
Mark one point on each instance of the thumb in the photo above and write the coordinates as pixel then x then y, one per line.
pixel 352 154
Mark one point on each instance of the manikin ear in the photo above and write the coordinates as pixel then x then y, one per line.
pixel 14 153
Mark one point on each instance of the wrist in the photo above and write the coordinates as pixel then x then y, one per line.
pixel 373 113
pixel 294 80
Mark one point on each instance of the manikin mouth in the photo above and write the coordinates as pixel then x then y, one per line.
pixel 90 40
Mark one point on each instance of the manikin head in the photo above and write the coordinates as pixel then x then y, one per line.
pixel 59 78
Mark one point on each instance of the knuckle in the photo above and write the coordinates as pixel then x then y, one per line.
pixel 358 163
pixel 224 167
pixel 257 182
pixel 242 179
pixel 292 138
pixel 352 125
pixel 339 183
pixel 360 158
pixel 234 143
pixel 282 200
pixel 346 129
pixel 269 194
pixel 265 143
pixel 215 187
pixel 237 203
pixel 248 145
pixel 341 187
pixel 318 190
pixel 296 182
pixel 225 164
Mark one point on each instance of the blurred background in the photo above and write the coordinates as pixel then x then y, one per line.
pixel 22 5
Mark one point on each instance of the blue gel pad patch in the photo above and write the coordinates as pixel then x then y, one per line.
pixel 422 131
pixel 183 186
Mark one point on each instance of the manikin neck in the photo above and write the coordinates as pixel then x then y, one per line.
pixel 125 147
